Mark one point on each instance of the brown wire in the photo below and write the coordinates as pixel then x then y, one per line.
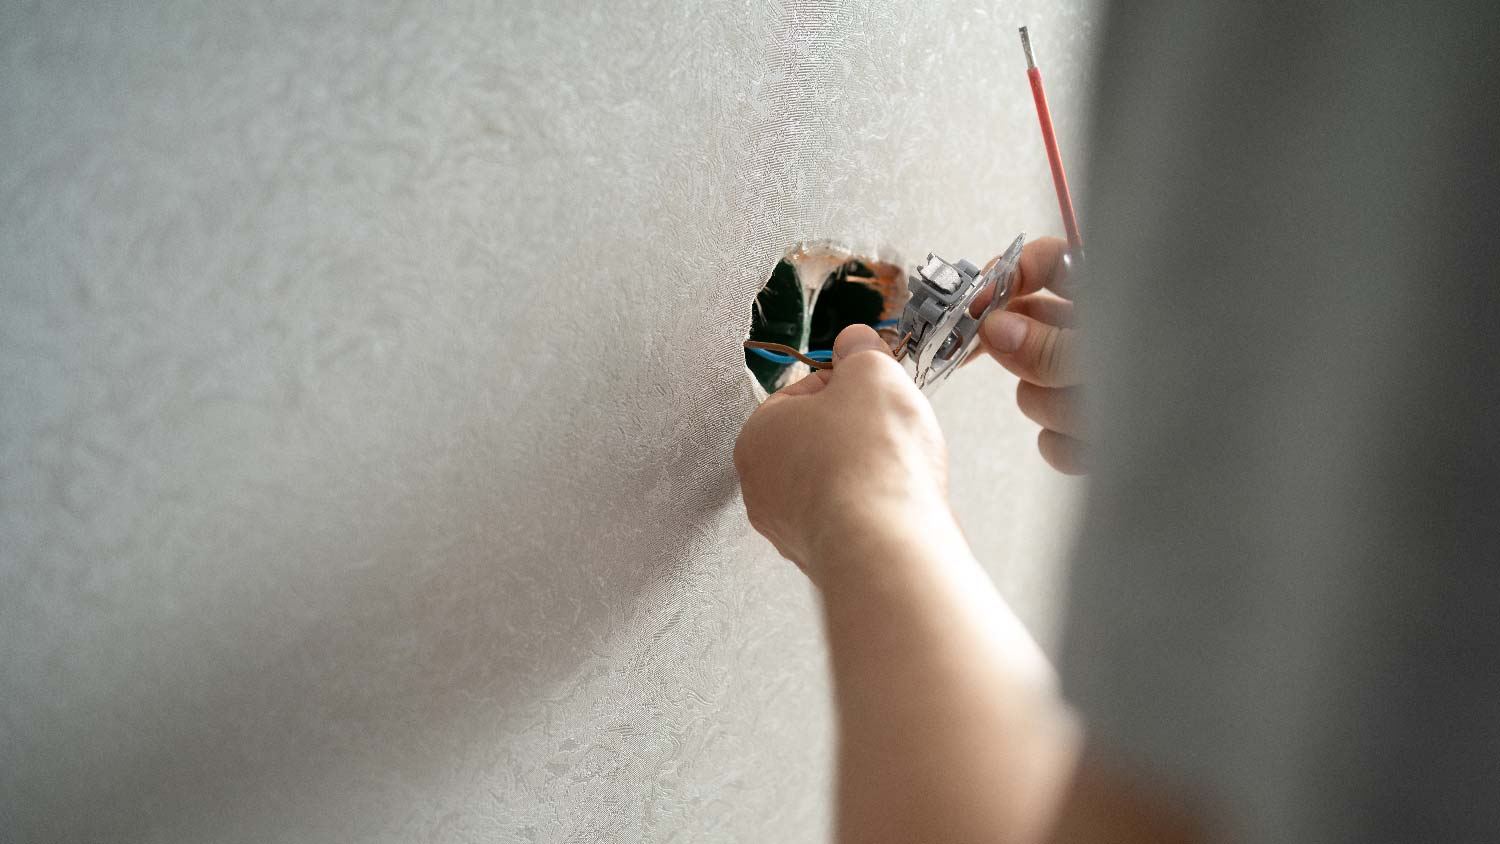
pixel 899 351
pixel 788 350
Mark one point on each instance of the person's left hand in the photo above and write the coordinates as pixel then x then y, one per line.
pixel 1034 337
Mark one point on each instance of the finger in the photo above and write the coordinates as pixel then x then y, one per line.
pixel 1045 307
pixel 1034 351
pixel 858 338
pixel 1057 409
pixel 862 360
pixel 1042 307
pixel 1041 266
pixel 1062 452
pixel 807 385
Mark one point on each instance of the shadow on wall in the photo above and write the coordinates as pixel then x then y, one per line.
pixel 426 654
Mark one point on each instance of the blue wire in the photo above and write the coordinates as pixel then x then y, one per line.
pixel 777 357
pixel 820 354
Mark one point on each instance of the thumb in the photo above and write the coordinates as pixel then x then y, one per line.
pixel 1045 355
pixel 858 338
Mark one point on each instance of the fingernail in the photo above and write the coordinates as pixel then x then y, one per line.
pixel 1004 331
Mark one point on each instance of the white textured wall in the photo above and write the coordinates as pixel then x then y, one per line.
pixel 368 378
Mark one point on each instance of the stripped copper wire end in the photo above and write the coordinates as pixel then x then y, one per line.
pixel 900 350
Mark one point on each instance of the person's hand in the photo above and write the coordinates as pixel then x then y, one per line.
pixel 845 451
pixel 1034 338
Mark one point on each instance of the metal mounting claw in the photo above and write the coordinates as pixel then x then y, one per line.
pixel 942 333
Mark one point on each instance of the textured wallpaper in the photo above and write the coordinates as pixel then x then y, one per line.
pixel 368 379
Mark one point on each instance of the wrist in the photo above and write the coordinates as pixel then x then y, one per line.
pixel 877 535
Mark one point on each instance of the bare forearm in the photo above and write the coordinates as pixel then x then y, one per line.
pixel 950 725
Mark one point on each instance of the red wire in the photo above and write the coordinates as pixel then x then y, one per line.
pixel 1059 178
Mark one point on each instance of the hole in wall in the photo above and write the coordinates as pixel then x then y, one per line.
pixel 817 289
pixel 779 316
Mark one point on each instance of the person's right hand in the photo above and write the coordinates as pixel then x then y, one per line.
pixel 846 453
pixel 1034 338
